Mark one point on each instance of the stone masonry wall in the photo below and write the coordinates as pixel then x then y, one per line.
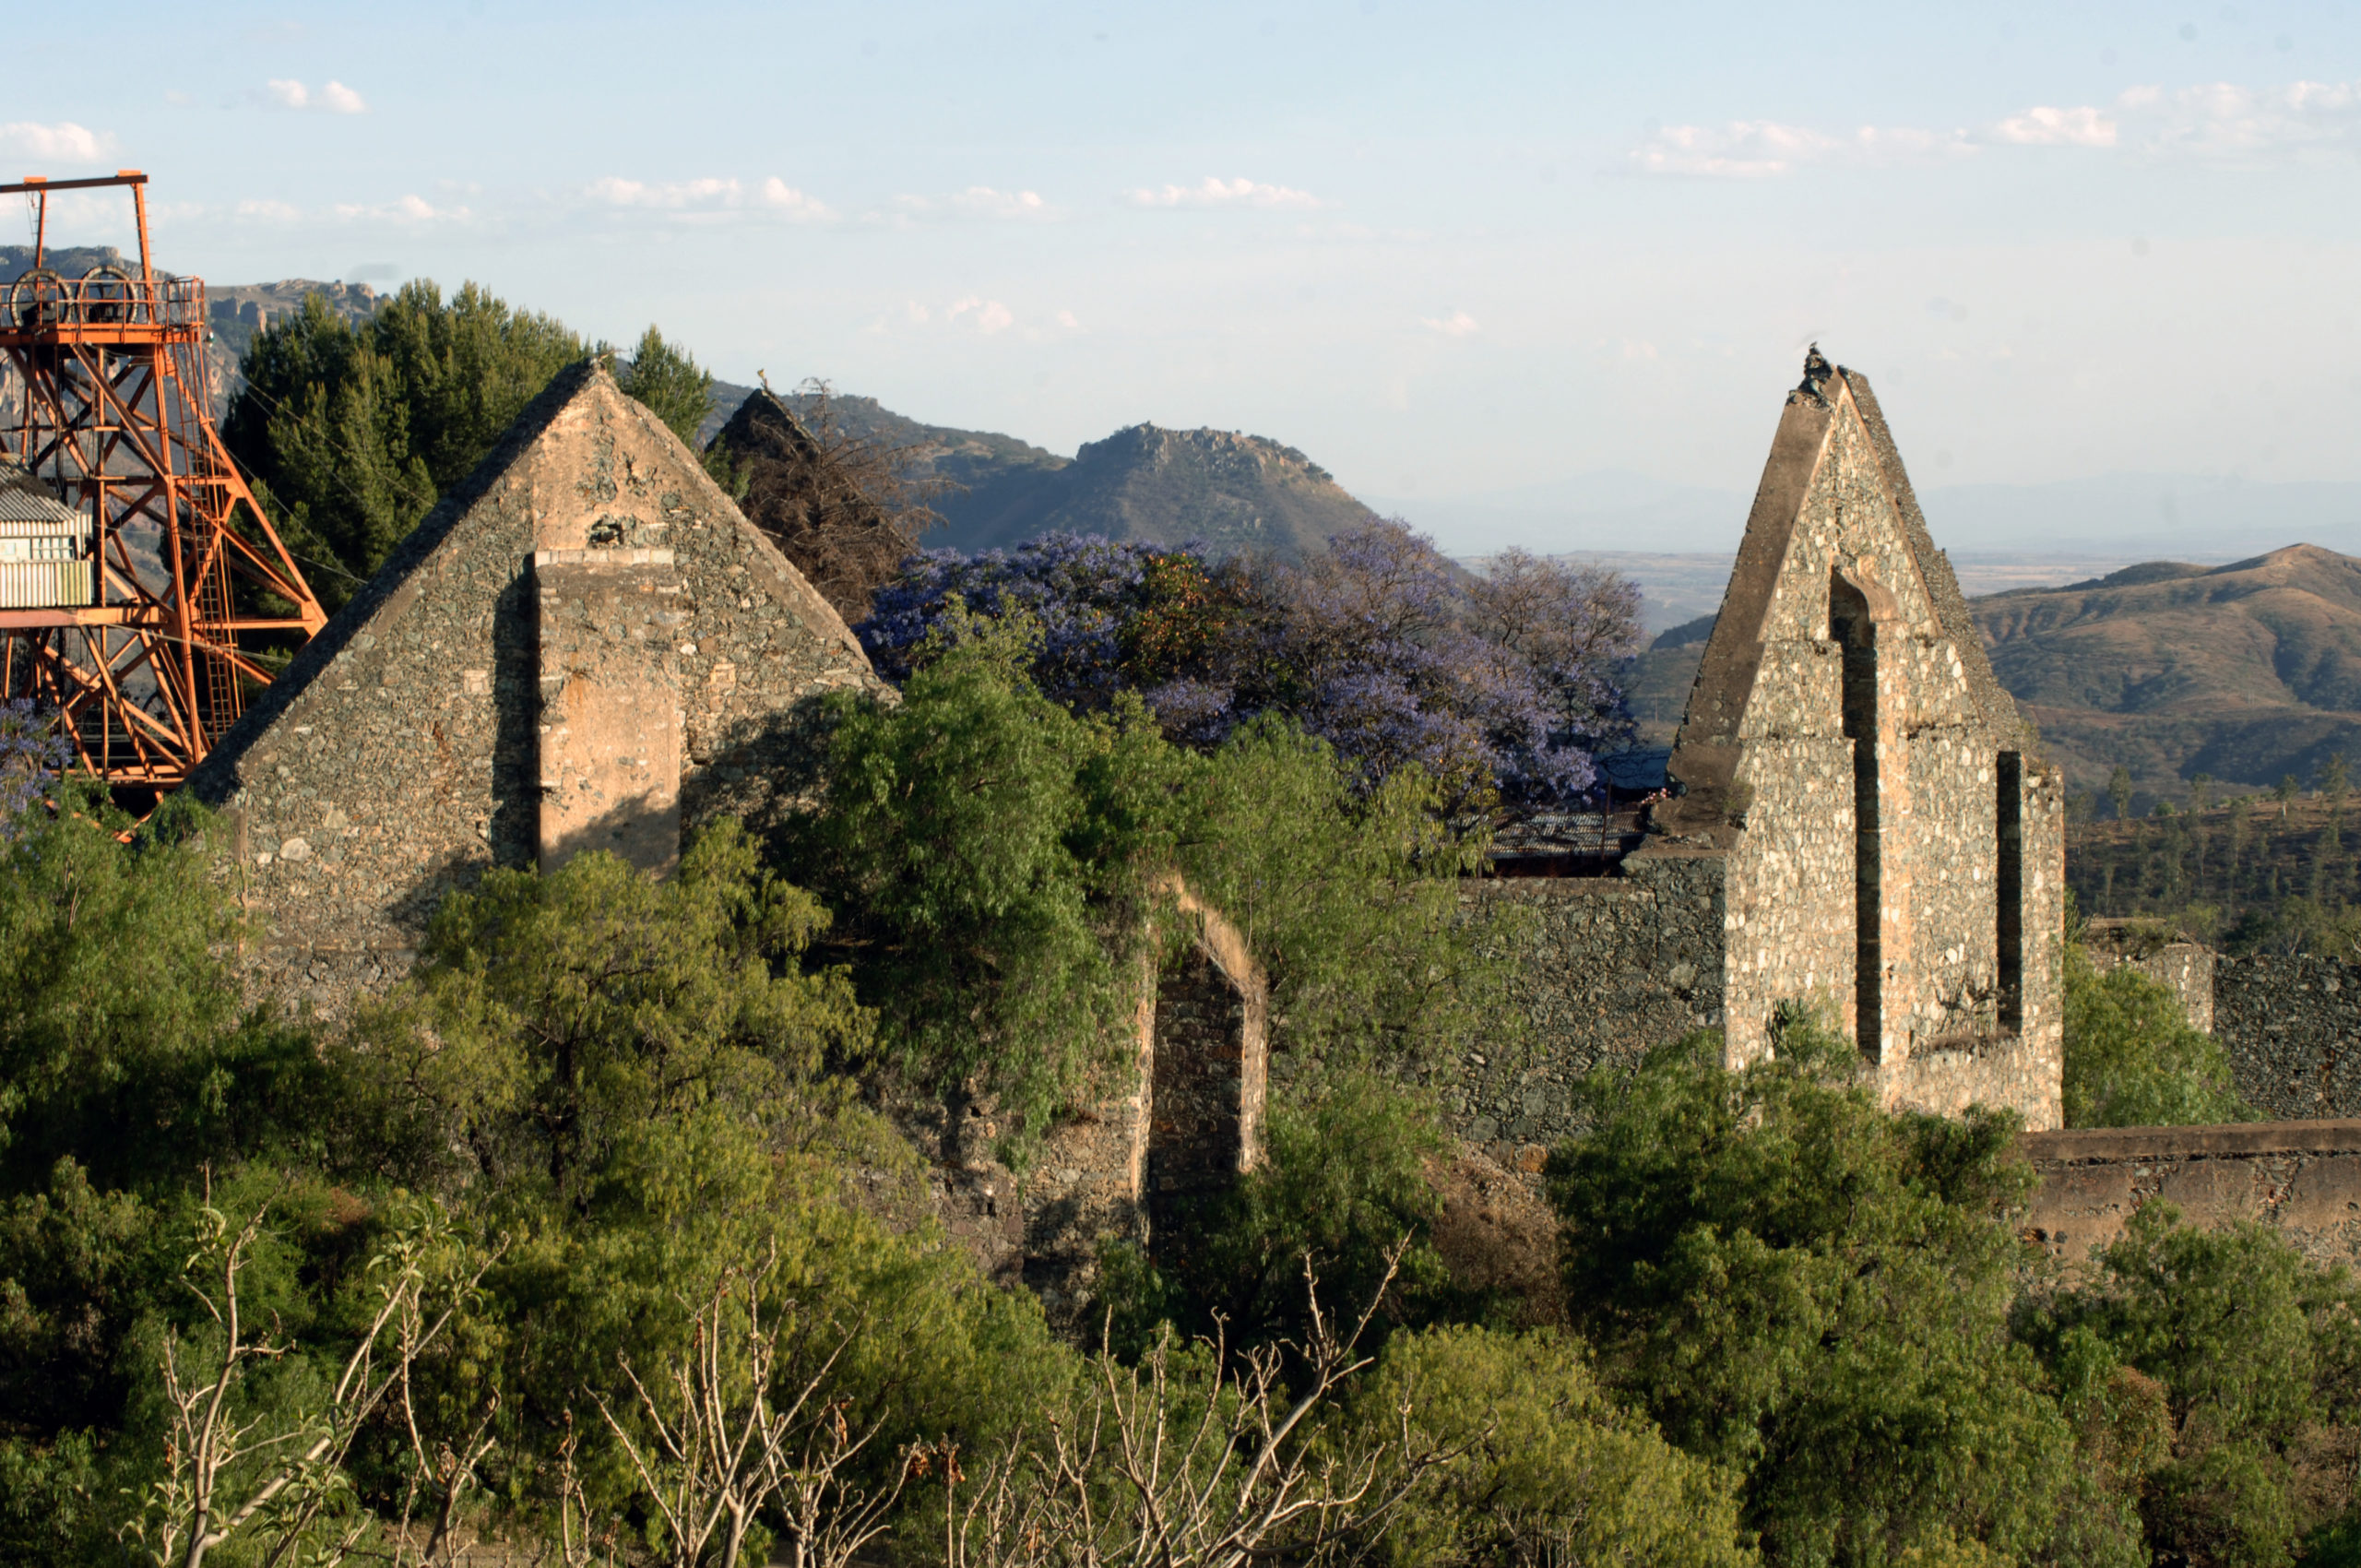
pixel 2185 968
pixel 609 730
pixel 398 758
pixel 1181 1118
pixel 2291 1027
pixel 1792 873
pixel 2301 1178
pixel 1606 967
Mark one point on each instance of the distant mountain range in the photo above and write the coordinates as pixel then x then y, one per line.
pixel 2248 672
pixel 1227 489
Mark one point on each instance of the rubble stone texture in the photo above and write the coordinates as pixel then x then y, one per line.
pixel 409 746
pixel 1880 839
pixel 2291 1027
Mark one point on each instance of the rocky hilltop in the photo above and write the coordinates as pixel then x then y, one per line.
pixel 1232 491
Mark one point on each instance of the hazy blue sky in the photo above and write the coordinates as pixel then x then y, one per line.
pixel 1443 249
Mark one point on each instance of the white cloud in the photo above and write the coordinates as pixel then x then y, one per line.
pixel 63 142
pixel 778 193
pixel 1066 319
pixel 1216 191
pixel 1754 150
pixel 2082 126
pixel 986 317
pixel 1458 324
pixel 2217 122
pixel 2222 122
pixel 616 191
pixel 985 202
pixel 273 211
pixel 409 209
pixel 708 194
pixel 334 99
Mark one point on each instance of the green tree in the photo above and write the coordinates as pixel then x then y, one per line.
pixel 999 859
pixel 352 434
pixel 675 387
pixel 2256 1350
pixel 1343 1182
pixel 2118 790
pixel 1815 1293
pixel 115 1011
pixel 2132 1058
pixel 2200 793
pixel 2284 792
pixel 1555 1470
pixel 2333 779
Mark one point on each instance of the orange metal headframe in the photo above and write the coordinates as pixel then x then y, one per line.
pixel 190 599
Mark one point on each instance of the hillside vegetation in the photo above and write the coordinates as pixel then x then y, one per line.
pixel 2247 672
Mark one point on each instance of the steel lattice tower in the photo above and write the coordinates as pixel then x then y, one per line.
pixel 180 589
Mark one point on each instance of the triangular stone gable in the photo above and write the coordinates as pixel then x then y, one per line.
pixel 588 598
pixel 1832 463
pixel 1891 847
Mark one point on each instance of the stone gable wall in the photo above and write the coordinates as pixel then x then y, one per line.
pixel 1792 933
pixel 398 756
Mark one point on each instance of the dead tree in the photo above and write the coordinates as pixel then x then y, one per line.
pixel 847 509
pixel 719 1438
pixel 422 1278
pixel 1152 1469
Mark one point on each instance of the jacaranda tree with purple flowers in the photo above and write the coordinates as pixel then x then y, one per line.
pixel 33 750
pixel 1501 686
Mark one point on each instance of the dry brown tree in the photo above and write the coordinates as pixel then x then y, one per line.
pixel 271 1476
pixel 1179 1462
pixel 847 508
pixel 719 1436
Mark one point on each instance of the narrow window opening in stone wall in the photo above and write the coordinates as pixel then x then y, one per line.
pixel 2009 887
pixel 1196 1127
pixel 1850 627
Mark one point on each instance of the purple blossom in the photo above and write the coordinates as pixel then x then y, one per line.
pixel 1499 686
pixel 33 750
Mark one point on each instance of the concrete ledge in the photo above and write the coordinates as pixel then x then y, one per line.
pixel 602 558
pixel 2234 1140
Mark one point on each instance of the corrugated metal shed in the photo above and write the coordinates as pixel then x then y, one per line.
pixel 47 559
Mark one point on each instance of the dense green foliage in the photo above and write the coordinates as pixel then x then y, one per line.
pixel 351 433
pixel 1557 1470
pixel 1832 1302
pixel 997 859
pixel 2132 1057
pixel 1815 1293
pixel 2250 1358
pixel 1343 1184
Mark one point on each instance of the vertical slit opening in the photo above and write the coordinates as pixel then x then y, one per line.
pixel 2009 886
pixel 1850 627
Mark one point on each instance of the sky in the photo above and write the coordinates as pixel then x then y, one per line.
pixel 1448 251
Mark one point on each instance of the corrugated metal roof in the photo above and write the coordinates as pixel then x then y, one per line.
pixel 25 498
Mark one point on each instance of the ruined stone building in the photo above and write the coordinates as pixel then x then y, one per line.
pixel 584 645
pixel 1858 821
pixel 588 645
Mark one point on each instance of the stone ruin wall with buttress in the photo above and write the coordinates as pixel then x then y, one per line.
pixel 1858 822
